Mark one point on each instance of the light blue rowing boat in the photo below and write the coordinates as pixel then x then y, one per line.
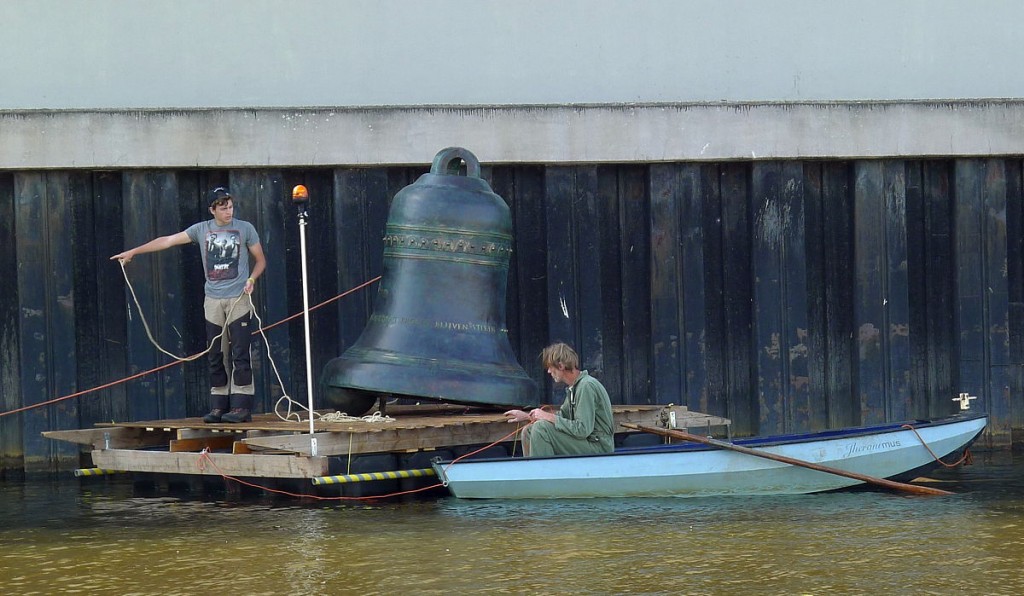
pixel 891 451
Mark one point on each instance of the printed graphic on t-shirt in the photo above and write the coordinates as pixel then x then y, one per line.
pixel 222 248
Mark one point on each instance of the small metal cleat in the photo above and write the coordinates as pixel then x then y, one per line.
pixel 965 401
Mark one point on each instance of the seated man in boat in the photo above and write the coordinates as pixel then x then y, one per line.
pixel 582 425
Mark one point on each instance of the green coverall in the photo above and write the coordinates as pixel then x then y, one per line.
pixel 583 424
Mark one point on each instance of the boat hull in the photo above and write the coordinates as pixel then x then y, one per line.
pixel 686 470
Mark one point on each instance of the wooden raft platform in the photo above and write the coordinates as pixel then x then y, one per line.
pixel 269 447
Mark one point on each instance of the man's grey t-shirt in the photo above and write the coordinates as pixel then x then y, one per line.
pixel 225 252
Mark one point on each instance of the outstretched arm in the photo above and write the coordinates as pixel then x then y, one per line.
pixel 155 245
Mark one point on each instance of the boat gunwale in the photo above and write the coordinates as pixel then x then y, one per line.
pixel 766 441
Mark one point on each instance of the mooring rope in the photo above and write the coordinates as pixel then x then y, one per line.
pixel 178 361
pixel 967 458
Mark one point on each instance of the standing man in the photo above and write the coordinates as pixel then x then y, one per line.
pixel 583 424
pixel 233 260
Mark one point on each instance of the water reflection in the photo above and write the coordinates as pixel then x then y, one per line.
pixel 100 538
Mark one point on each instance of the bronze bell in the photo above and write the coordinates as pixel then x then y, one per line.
pixel 438 325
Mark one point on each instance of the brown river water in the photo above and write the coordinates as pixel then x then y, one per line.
pixel 99 536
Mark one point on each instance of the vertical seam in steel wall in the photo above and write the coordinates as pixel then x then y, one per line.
pixel 886 337
pixel 154 230
pixel 986 315
pixel 682 206
pixel 575 274
pixel 44 222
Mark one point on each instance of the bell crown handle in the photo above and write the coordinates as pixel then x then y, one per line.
pixel 447 161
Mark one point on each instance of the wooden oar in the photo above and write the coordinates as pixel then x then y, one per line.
pixel 678 434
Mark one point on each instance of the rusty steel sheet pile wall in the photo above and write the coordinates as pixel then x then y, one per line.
pixel 786 295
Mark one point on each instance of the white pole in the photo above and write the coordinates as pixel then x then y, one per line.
pixel 299 196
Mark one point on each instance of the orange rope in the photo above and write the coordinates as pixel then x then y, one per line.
pixel 204 457
pixel 966 460
pixel 465 455
pixel 170 364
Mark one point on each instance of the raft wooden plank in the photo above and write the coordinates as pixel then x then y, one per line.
pixel 470 430
pixel 404 417
pixel 271 423
pixel 197 433
pixel 239 448
pixel 381 440
pixel 120 437
pixel 700 421
pixel 200 443
pixel 245 465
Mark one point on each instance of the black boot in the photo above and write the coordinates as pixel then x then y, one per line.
pixel 241 409
pixel 218 407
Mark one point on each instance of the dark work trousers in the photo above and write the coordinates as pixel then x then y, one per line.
pixel 230 357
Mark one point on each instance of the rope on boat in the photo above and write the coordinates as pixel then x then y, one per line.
pixel 967 458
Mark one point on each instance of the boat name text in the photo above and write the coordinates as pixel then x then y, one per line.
pixel 858 448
